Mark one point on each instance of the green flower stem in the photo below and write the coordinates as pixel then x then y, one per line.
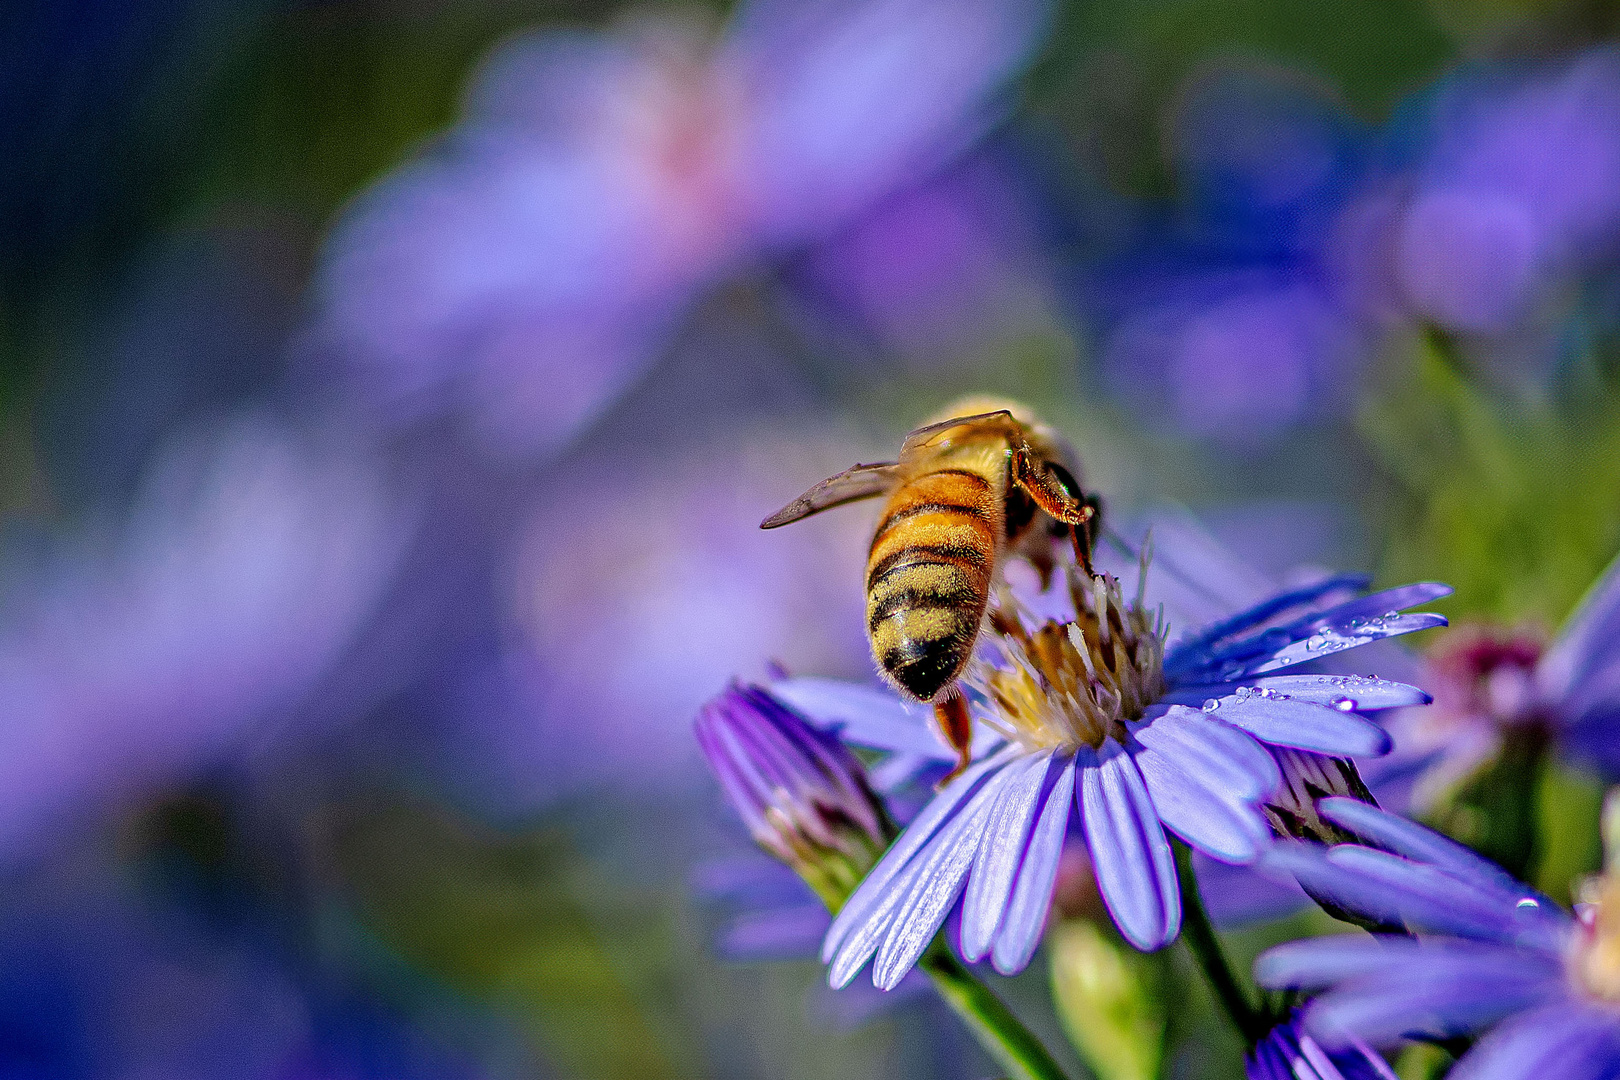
pixel 1001 1033
pixel 1199 934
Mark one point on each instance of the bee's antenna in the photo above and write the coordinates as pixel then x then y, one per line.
pixel 1141 552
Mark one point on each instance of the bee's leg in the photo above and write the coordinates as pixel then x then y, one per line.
pixel 1041 482
pixel 956 725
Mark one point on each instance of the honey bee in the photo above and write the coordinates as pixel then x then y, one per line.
pixel 983 482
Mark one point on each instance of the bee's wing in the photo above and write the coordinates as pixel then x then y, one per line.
pixel 856 482
pixel 924 436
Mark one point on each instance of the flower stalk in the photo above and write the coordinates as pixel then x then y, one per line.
pixel 1205 945
pixel 1002 1035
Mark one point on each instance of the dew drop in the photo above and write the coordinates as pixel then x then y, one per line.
pixel 1392 614
pixel 1529 902
pixel 1211 704
pixel 1344 704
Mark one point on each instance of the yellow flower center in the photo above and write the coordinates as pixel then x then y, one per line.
pixel 1071 683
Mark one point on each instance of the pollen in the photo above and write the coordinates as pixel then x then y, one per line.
pixel 1063 684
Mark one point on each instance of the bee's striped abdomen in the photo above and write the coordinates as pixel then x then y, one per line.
pixel 928 578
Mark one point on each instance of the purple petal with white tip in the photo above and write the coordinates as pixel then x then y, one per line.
pixel 1303 725
pixel 1129 852
pixel 1037 873
pixel 1000 851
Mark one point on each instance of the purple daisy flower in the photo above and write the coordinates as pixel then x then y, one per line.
pixel 1488 952
pixel 1094 716
pixel 1287 1053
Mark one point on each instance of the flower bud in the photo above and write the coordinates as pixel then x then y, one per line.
pixel 803 795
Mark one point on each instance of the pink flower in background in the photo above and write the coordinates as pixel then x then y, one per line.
pixel 526 269
pixel 248 563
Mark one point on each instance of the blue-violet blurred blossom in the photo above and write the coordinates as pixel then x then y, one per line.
pixel 1287 1053
pixel 1095 716
pixel 526 270
pixel 247 565
pixel 1487 951
pixel 1227 313
pixel 1519 183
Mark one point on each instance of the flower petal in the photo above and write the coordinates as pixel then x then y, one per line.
pixel 1397 891
pixel 936 884
pixel 1323 961
pixel 1201 648
pixel 1228 828
pixel 1129 852
pixel 873 891
pixel 1229 759
pixel 1563 1040
pixel 1275 718
pixel 1412 840
pixel 1336 637
pixel 996 865
pixel 1586 641
pixel 1361 693
pixel 863 715
pixel 1037 873
pixel 1437 998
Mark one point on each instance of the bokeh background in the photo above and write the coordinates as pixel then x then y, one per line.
pixel 390 389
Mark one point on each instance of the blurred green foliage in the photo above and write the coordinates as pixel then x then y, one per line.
pixel 518 920
pixel 1513 503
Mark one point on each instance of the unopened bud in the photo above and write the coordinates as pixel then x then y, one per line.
pixel 803 795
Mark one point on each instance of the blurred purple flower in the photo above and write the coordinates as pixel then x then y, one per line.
pixel 1225 313
pixel 246 566
pixel 1136 740
pixel 1520 183
pixel 1489 952
pixel 1287 1053
pixel 941 269
pixel 632 589
pixel 527 269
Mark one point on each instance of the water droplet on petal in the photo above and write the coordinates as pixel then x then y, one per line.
pixel 1344 704
pixel 1211 704
pixel 1392 614
pixel 1529 902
